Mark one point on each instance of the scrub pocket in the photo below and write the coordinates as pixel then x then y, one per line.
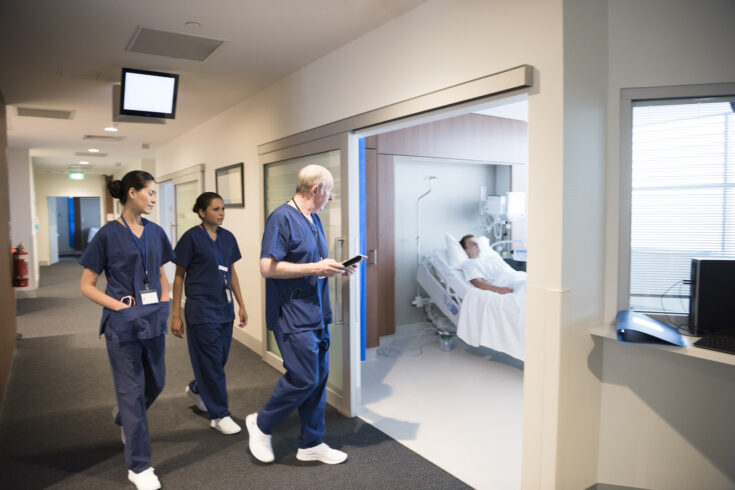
pixel 301 314
pixel 137 322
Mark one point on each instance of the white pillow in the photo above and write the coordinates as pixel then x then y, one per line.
pixel 456 255
pixel 487 252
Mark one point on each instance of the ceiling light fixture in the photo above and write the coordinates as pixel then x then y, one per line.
pixel 94 150
pixel 193 24
pixel 83 163
pixel 111 129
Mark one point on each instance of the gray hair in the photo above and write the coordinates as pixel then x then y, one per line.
pixel 310 176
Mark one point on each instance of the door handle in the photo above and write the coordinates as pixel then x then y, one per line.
pixel 373 253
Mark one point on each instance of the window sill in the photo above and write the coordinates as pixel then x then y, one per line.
pixel 609 333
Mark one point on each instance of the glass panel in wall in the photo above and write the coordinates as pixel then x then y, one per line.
pixel 280 184
pixel 186 196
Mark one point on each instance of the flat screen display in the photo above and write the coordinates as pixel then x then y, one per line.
pixel 148 93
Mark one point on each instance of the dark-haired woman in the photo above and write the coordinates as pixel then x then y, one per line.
pixel 132 250
pixel 205 256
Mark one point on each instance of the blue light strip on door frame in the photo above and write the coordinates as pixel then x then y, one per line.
pixel 363 219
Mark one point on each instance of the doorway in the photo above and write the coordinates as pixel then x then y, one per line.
pixel 177 193
pixel 422 182
pixel 73 222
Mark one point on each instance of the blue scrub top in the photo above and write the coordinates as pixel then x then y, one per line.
pixel 302 303
pixel 205 295
pixel 113 250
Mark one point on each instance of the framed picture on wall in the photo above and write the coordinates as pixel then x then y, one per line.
pixel 230 184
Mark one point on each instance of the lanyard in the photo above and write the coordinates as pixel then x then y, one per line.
pixel 143 252
pixel 217 252
pixel 312 227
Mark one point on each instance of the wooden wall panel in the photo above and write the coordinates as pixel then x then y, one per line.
pixel 386 247
pixel 371 243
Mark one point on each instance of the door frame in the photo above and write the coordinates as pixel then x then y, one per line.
pixel 440 104
pixel 189 174
pixel 347 300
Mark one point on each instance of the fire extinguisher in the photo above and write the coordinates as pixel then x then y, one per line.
pixel 20 267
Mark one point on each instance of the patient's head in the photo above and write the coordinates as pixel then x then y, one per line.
pixel 470 245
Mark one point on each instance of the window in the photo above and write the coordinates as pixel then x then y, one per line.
pixel 682 195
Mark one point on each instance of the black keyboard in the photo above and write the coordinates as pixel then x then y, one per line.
pixel 719 341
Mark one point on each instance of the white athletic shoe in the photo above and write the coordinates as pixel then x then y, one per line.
pixel 115 411
pixel 197 399
pixel 145 480
pixel 225 425
pixel 259 442
pixel 322 453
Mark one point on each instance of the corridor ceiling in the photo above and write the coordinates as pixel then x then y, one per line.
pixel 66 55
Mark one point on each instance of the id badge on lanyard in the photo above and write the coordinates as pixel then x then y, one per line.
pixel 223 268
pixel 228 288
pixel 148 296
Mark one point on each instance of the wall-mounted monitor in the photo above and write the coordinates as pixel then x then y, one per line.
pixel 148 93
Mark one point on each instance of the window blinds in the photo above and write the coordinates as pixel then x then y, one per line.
pixel 683 196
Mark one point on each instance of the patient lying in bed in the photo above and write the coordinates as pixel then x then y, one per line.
pixel 483 272
pixel 493 313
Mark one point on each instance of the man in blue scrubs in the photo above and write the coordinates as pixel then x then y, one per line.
pixel 294 261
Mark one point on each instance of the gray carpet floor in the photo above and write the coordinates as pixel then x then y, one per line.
pixel 56 429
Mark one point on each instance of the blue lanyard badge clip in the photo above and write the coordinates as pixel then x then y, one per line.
pixel 147 295
pixel 220 265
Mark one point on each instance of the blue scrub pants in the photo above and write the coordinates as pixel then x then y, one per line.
pixel 209 347
pixel 303 386
pixel 139 373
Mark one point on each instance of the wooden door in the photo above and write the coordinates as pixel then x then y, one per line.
pixel 380 308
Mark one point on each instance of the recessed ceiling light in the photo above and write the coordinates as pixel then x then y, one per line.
pixel 193 24
pixel 83 163
pixel 93 150
pixel 111 129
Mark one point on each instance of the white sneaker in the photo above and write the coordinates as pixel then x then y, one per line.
pixel 225 425
pixel 260 442
pixel 145 480
pixel 197 399
pixel 322 453
pixel 115 411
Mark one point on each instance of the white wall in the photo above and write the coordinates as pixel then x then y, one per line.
pixel 22 209
pixel 666 419
pixel 59 185
pixel 439 44
pixel 451 207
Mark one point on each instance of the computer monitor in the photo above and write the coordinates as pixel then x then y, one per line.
pixel 712 299
pixel 148 93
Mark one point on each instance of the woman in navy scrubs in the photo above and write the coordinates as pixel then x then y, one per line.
pixel 131 251
pixel 205 255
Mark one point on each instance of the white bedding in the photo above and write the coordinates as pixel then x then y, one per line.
pixel 493 320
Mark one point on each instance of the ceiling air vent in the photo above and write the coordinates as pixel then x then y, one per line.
pixel 97 137
pixel 172 44
pixel 90 154
pixel 47 113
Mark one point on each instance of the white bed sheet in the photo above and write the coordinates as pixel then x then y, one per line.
pixel 493 320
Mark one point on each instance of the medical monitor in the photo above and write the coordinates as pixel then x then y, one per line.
pixel 712 300
pixel 148 93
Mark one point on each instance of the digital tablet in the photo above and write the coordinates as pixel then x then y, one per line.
pixel 354 260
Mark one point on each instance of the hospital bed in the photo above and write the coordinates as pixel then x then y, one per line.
pixel 482 318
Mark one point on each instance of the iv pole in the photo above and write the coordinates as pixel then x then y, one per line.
pixel 431 180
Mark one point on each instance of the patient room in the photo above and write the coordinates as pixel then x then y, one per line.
pixel 444 359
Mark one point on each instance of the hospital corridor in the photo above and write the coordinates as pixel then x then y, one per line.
pixel 57 430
